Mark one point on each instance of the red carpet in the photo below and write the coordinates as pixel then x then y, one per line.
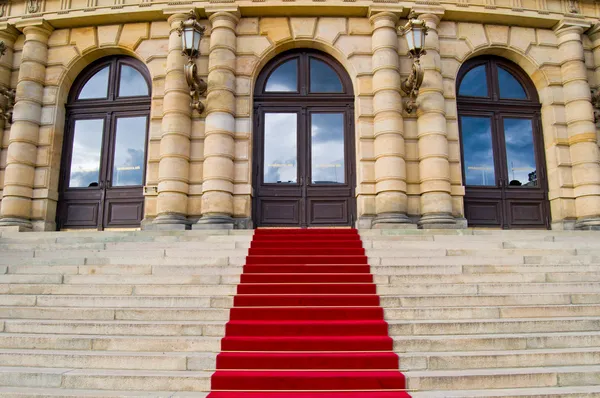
pixel 306 322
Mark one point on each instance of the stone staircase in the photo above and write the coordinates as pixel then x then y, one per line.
pixel 473 313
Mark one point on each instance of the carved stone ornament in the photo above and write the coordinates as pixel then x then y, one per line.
pixel 33 6
pixel 574 6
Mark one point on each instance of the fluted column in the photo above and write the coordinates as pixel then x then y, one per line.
pixel 391 201
pixel 23 140
pixel 581 130
pixel 219 147
pixel 173 169
pixel 8 35
pixel 434 168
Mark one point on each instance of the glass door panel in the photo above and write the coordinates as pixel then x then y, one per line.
pixel 520 153
pixel 478 150
pixel 129 151
pixel 86 153
pixel 281 148
pixel 327 148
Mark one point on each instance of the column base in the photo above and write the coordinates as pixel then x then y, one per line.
pixel 393 221
pixel 215 221
pixel 16 224
pixel 588 224
pixel 563 225
pixel 167 222
pixel 438 221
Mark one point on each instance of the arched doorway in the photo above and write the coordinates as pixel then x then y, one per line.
pixel 303 142
pixel 502 146
pixel 104 151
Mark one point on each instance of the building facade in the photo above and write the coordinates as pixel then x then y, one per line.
pixel 305 122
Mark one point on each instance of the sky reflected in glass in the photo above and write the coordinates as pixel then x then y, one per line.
pixel 327 146
pixel 132 83
pixel 130 145
pixel 520 154
pixel 284 78
pixel 474 84
pixel 85 159
pixel 97 86
pixel 323 79
pixel 281 151
pixel 509 86
pixel 478 151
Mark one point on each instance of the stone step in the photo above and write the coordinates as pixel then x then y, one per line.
pixel 544 392
pixel 104 289
pixel 447 260
pixel 21 392
pixel 487 342
pixel 79 359
pixel 469 278
pixel 435 252
pixel 499 359
pixel 42 247
pixel 142 314
pixel 391 301
pixel 493 326
pixel 504 378
pixel 105 379
pixel 110 343
pixel 490 312
pixel 175 302
pixel 115 327
pixel 488 288
pixel 225 283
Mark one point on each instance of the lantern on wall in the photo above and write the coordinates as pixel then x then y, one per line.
pixel 414 32
pixel 191 33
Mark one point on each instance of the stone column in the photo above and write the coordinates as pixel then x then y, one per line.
pixel 581 130
pixel 8 35
pixel 391 201
pixel 22 147
pixel 219 144
pixel 174 166
pixel 434 168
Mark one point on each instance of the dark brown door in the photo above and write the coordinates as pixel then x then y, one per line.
pixel 104 154
pixel 502 147
pixel 303 147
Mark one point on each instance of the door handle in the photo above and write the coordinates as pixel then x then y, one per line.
pixel 301 180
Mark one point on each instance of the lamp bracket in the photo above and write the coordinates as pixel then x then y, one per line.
pixel 196 84
pixel 596 104
pixel 412 84
pixel 6 106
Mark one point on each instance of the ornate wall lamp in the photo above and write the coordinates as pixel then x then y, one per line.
pixel 6 107
pixel 191 33
pixel 414 31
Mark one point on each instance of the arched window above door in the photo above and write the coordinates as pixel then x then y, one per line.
pixel 304 73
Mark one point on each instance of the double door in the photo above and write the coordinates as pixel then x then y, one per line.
pixel 103 170
pixel 503 169
pixel 303 166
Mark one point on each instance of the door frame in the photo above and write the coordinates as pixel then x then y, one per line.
pixel 498 109
pixel 109 109
pixel 302 101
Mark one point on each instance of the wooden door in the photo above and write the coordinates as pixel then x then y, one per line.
pixel 303 143
pixel 502 146
pixel 104 154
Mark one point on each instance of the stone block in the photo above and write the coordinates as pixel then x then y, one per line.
pixel 276 29
pixel 329 29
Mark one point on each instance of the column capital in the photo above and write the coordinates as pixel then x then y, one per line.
pixel 594 34
pixel 390 13
pixel 432 15
pixel 8 32
pixel 220 12
pixel 177 14
pixel 37 25
pixel 570 25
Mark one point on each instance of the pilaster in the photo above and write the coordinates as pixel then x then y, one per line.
pixel 22 148
pixel 581 130
pixel 219 135
pixel 391 201
pixel 173 168
pixel 434 168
